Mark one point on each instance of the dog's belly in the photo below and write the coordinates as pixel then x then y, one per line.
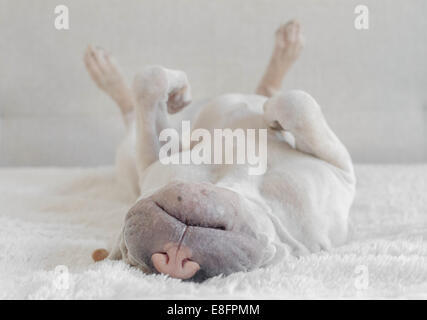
pixel 231 111
pixel 309 197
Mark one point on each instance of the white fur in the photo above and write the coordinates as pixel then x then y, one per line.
pixel 303 200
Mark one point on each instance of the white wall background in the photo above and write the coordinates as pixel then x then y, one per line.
pixel 372 84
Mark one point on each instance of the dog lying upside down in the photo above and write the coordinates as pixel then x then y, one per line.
pixel 198 221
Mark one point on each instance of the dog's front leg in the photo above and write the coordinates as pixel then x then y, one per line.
pixel 159 92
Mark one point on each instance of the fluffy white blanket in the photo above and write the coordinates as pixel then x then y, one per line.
pixel 57 217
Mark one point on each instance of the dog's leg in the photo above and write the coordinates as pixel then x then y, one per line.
pixel 298 113
pixel 287 48
pixel 106 74
pixel 158 92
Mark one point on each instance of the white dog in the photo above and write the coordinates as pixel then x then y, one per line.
pixel 198 221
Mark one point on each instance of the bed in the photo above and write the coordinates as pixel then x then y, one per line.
pixel 51 219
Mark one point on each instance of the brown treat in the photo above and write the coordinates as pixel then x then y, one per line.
pixel 99 255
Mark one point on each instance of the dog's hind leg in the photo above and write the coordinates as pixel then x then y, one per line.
pixel 297 112
pixel 106 74
pixel 287 48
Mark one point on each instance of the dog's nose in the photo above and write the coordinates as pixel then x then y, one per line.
pixel 175 262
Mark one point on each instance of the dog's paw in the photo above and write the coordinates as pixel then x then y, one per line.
pixel 179 95
pixel 289 40
pixel 157 83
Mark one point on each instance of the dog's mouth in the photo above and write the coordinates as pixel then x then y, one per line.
pixel 194 220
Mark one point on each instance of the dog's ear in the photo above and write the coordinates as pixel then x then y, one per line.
pixel 99 255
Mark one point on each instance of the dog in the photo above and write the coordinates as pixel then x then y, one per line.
pixel 196 221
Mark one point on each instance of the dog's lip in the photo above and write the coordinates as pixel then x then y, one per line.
pixel 192 224
pixel 140 264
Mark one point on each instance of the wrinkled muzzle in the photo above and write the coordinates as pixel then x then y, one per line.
pixel 192 231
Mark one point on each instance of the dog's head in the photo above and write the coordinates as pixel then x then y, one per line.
pixel 195 231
